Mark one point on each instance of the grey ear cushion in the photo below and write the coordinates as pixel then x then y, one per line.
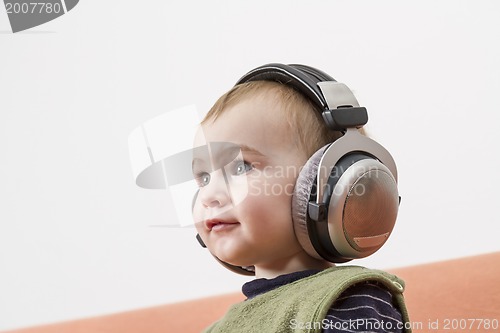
pixel 300 200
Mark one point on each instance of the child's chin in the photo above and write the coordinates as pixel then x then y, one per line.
pixel 231 256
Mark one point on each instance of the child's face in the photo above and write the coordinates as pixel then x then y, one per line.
pixel 259 230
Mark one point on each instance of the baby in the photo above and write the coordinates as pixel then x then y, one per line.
pixel 244 214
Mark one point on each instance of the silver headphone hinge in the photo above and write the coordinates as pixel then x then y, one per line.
pixel 337 95
pixel 317 211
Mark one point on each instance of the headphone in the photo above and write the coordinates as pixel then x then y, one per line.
pixel 345 200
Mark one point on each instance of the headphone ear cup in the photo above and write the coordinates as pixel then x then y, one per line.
pixel 358 223
pixel 363 206
pixel 304 188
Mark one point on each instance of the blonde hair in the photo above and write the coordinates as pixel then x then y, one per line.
pixel 302 116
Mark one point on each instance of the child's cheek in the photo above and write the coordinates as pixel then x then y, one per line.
pixel 199 227
pixel 256 187
pixel 197 215
pixel 238 189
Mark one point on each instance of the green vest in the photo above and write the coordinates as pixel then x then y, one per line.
pixel 301 306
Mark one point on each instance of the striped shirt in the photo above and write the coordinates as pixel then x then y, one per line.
pixel 365 307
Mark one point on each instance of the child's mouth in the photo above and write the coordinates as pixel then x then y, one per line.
pixel 219 225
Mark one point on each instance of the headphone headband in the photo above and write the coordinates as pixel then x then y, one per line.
pixel 303 78
pixel 330 97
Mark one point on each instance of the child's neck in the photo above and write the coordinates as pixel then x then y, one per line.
pixel 299 262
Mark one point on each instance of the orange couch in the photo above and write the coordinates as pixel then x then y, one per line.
pixel 448 296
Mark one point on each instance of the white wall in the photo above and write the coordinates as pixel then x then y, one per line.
pixel 75 232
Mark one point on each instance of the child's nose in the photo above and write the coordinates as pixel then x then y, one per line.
pixel 216 192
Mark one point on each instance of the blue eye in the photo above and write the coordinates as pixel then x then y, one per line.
pixel 242 167
pixel 203 179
